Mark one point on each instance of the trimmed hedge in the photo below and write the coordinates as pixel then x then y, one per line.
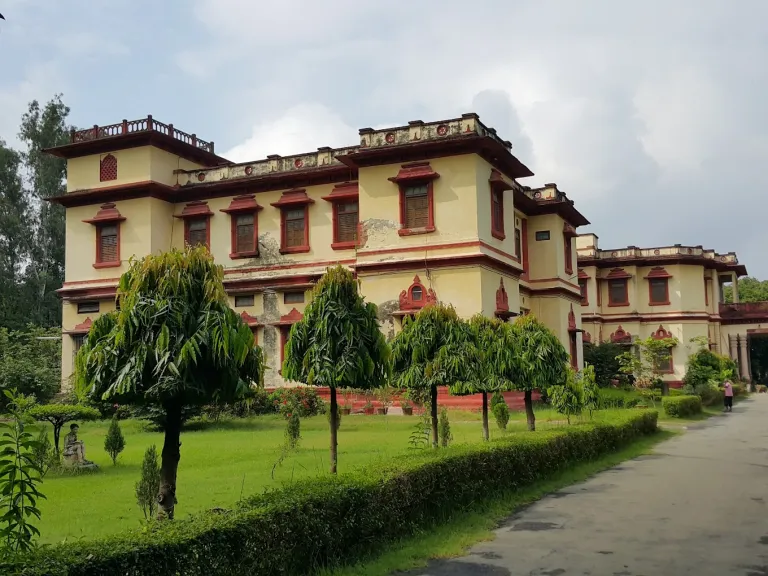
pixel 681 406
pixel 329 521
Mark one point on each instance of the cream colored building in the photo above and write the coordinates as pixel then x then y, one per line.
pixel 421 212
pixel 633 293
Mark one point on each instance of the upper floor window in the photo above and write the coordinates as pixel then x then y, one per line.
pixel 294 221
pixel 658 286
pixel 417 210
pixel 243 212
pixel 583 290
pixel 197 229
pixel 245 228
pixel 618 292
pixel 88 307
pixel 108 168
pixel 518 244
pixel 569 233
pixel 344 202
pixel 107 224
pixel 498 186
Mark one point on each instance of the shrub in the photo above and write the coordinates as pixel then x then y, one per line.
pixel 149 484
pixel 604 357
pixel 677 392
pixel 293 431
pixel 610 398
pixel 60 414
pixel 114 443
pixel 496 399
pixel 681 406
pixel 301 399
pixel 43 453
pixel 30 365
pixel 738 389
pixel 444 427
pixel 328 521
pixel 501 413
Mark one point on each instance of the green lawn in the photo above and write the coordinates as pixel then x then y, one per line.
pixel 222 462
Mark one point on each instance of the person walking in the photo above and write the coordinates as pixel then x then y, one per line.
pixel 728 398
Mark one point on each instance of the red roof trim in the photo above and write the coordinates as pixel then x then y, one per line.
pixel 658 272
pixel 415 172
pixel 296 197
pixel 194 210
pixel 344 191
pixel 498 182
pixel 107 213
pixel 246 203
pixel 288 319
pixel 618 274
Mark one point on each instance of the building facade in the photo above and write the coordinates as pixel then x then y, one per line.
pixel 672 291
pixel 421 213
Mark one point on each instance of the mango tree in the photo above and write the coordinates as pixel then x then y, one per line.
pixel 337 343
pixel 433 349
pixel 175 342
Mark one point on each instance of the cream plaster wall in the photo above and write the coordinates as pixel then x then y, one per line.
pixel 507 245
pixel 547 257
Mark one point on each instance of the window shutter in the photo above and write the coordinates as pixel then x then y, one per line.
pixel 294 228
pixel 108 243
pixel 346 222
pixel 197 232
pixel 417 207
pixel 244 233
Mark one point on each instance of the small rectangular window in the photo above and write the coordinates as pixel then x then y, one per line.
pixel 197 231
pixel 659 290
pixel 346 221
pixel 293 297
pixel 245 240
pixel 664 364
pixel 617 292
pixel 108 249
pixel 77 342
pixel 542 235
pixel 87 307
pixel 583 290
pixel 568 255
pixel 518 243
pixel 416 206
pixel 295 222
pixel 497 213
pixel 243 300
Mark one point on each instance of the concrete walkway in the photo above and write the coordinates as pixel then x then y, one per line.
pixel 698 506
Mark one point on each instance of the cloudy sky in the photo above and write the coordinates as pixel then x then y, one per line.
pixel 652 115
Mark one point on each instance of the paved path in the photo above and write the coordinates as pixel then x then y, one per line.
pixel 698 506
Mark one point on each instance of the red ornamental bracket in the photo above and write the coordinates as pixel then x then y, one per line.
pixel 417 296
pixel 571 320
pixel 661 334
pixel 621 336
pixel 502 299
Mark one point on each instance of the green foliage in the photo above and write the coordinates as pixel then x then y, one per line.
pixel 337 343
pixel 610 398
pixel 705 368
pixel 605 359
pixel 29 364
pixel 501 414
pixel 750 290
pixel 60 414
pixel 44 454
pixel 157 415
pixel 641 362
pixel 681 406
pixel 114 442
pixel 590 391
pixel 293 431
pixel 20 477
pixel 566 398
pixel 483 369
pixel 329 521
pixel 497 398
pixel 445 428
pixel 149 484
pixel 301 399
pixel 338 417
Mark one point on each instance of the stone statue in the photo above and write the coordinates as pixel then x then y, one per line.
pixel 74 449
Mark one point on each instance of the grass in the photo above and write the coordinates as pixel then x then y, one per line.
pixel 465 529
pixel 223 462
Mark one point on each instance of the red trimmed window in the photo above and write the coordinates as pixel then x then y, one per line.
pixel 294 221
pixel 108 168
pixel 497 213
pixel 574 350
pixel 664 365
pixel 107 223
pixel 518 244
pixel 345 223
pixel 658 291
pixel 243 212
pixel 583 290
pixel 568 255
pixel 245 233
pixel 417 208
pixel 196 231
pixel 618 292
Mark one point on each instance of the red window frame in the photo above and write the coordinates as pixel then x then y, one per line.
pixel 108 168
pixel 293 200
pixel 338 243
pixel 667 370
pixel 651 301
pixel 497 213
pixel 568 254
pixel 187 224
pixel 625 283
pixel 243 206
pixel 409 176
pixel 100 262
pixel 518 245
pixel 108 215
pixel 583 288
pixel 574 348
pixel 195 212
pixel 524 257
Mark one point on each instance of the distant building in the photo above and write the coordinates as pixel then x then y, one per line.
pixel 422 212
pixel 633 293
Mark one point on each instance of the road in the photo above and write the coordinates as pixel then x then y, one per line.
pixel 698 505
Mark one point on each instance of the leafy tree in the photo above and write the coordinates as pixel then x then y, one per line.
pixel 43 453
pixel 534 359
pixel 501 413
pixel 114 443
pixel 750 290
pixel 643 361
pixel 337 343
pixel 60 414
pixel 446 437
pixel 434 349
pixel 486 374
pixel 19 481
pixel 566 398
pixel 175 342
pixel 605 359
pixel 148 486
pixel 590 391
pixel 30 362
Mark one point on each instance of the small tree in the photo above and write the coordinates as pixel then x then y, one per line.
pixel 486 374
pixel 604 356
pixel 501 413
pixel 148 486
pixel 534 359
pixel 445 428
pixel 436 348
pixel 175 342
pixel 337 343
pixel 60 414
pixel 114 443
pixel 590 391
pixel 566 398
pixel 643 362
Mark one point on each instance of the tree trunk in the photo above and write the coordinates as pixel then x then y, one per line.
pixel 56 437
pixel 486 434
pixel 334 430
pixel 166 498
pixel 530 416
pixel 433 402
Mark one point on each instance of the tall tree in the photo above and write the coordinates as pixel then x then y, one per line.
pixel 433 350
pixel 538 362
pixel 337 343
pixel 750 290
pixel 41 128
pixel 175 342
pixel 487 374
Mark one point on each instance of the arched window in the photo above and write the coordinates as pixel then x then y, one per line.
pixel 108 168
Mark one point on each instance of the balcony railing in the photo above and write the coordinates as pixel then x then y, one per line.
pixel 147 124
pixel 745 310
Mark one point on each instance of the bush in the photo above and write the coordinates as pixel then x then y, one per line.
pixel 681 406
pixel 329 521
pixel 501 413
pixel 677 392
pixel 148 485
pixel 738 390
pixel 30 365
pixel 293 431
pixel 301 399
pixel 603 357
pixel 114 443
pixel 444 428
pixel 610 398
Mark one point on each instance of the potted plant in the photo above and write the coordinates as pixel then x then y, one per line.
pixel 406 404
pixel 385 397
pixel 368 406
pixel 346 408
